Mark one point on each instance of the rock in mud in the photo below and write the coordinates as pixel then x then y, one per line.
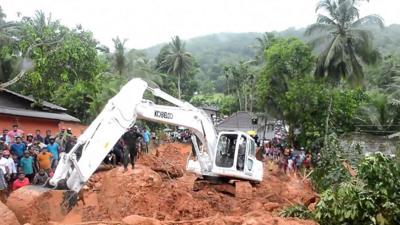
pixel 7 216
pixel 140 220
pixel 36 205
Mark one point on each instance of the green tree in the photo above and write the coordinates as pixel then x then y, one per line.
pixel 372 197
pixel 119 55
pixel 138 65
pixel 378 114
pixel 177 61
pixel 286 59
pixel 263 43
pixel 69 64
pixel 226 104
pixel 383 75
pixel 9 33
pixel 344 39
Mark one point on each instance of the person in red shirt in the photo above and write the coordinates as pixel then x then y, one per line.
pixel 22 181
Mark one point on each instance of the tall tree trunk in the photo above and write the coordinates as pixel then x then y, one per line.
pixel 252 94
pixel 251 100
pixel 327 121
pixel 265 125
pixel 240 102
pixel 245 97
pixel 179 86
pixel 227 84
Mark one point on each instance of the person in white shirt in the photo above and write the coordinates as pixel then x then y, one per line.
pixel 7 164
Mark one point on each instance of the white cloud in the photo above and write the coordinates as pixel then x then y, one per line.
pixel 148 22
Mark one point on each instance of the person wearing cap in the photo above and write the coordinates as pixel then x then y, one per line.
pixel 15 132
pixel 18 148
pixel 27 165
pixel 54 149
pixel 22 181
pixel 44 159
pixel 29 140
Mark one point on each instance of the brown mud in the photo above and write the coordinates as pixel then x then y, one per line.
pixel 159 191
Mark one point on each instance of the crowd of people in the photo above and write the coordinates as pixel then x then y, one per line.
pixel 32 158
pixel 289 159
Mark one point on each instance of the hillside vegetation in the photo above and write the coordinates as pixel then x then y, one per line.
pixel 214 51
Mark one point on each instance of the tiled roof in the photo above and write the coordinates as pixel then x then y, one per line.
pixel 38 114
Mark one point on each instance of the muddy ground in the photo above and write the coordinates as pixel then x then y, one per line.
pixel 159 191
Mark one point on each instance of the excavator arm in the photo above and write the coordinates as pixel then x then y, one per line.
pixel 117 117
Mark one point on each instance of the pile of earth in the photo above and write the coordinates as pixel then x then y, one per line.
pixel 159 191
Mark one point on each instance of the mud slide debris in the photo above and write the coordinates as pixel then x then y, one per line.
pixel 160 191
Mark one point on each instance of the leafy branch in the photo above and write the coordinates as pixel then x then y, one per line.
pixel 26 63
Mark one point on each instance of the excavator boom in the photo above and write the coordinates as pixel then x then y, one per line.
pixel 227 154
pixel 117 117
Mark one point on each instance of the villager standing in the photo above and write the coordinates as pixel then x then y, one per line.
pixel 130 146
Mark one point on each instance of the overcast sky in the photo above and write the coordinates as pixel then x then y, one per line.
pixel 148 22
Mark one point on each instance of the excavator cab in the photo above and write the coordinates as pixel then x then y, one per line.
pixel 235 156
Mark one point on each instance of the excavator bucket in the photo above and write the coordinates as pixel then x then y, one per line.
pixel 37 204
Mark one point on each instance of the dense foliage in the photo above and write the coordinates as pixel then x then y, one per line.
pixel 372 197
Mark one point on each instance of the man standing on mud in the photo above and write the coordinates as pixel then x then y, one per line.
pixel 130 139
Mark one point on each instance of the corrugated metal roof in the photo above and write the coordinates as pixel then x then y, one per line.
pixel 31 99
pixel 237 121
pixel 38 114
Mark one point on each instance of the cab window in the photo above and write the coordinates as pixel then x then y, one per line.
pixel 226 150
pixel 241 153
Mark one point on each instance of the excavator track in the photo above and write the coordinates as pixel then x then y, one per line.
pixel 233 187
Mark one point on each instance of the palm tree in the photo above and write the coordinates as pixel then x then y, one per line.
pixel 380 112
pixel 263 43
pixel 138 65
pixel 119 55
pixel 177 60
pixel 344 40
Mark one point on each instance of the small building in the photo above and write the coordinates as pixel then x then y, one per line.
pixel 17 109
pixel 246 121
pixel 212 112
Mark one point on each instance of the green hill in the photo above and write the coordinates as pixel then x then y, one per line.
pixel 215 50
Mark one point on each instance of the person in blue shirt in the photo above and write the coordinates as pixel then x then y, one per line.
pixel 53 148
pixel 27 164
pixel 146 138
pixel 18 148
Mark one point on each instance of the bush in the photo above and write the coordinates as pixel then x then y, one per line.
pixel 298 211
pixel 373 197
pixel 329 171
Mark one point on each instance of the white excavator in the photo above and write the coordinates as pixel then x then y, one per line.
pixel 227 155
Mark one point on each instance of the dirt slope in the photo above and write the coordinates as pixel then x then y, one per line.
pixel 159 191
pixel 160 188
